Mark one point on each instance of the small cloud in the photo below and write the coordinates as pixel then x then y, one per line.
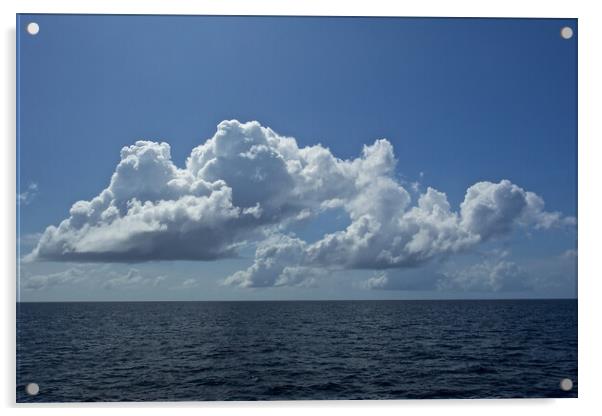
pixel 132 278
pixel 424 278
pixel 379 281
pixel 104 276
pixel 27 196
pixel 41 282
pixel 495 273
pixel 188 283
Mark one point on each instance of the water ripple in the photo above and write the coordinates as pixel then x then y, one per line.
pixel 296 350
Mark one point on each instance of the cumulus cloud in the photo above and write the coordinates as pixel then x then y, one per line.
pixel 247 184
pixel 490 210
pixel 279 261
pixel 388 235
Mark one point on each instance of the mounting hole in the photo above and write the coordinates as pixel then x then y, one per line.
pixel 32 389
pixel 33 28
pixel 566 32
pixel 566 384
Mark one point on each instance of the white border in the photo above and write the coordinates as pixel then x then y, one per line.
pixel 590 135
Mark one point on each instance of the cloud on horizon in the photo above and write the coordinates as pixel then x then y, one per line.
pixel 97 276
pixel 44 281
pixel 247 185
pixel 133 277
pixel 493 271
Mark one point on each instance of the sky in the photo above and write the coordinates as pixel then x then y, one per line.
pixel 250 158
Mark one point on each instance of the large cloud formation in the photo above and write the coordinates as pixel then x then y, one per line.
pixel 247 184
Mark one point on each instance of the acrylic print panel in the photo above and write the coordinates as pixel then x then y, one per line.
pixel 286 208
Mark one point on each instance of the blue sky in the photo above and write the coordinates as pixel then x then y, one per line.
pixel 460 101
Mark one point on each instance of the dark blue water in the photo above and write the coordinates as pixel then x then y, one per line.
pixel 296 350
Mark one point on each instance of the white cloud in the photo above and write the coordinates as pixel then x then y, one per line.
pixel 27 196
pixel 93 276
pixel 133 278
pixel 494 271
pixel 188 283
pixel 387 235
pixel 494 209
pixel 378 281
pixel 248 184
pixel 40 282
pixel 279 261
pixel 497 275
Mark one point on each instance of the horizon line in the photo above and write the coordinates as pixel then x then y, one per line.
pixel 298 300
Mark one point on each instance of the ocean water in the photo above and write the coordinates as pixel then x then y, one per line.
pixel 134 351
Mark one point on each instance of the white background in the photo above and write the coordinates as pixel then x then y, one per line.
pixel 590 171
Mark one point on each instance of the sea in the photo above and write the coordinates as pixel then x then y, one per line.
pixel 296 350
